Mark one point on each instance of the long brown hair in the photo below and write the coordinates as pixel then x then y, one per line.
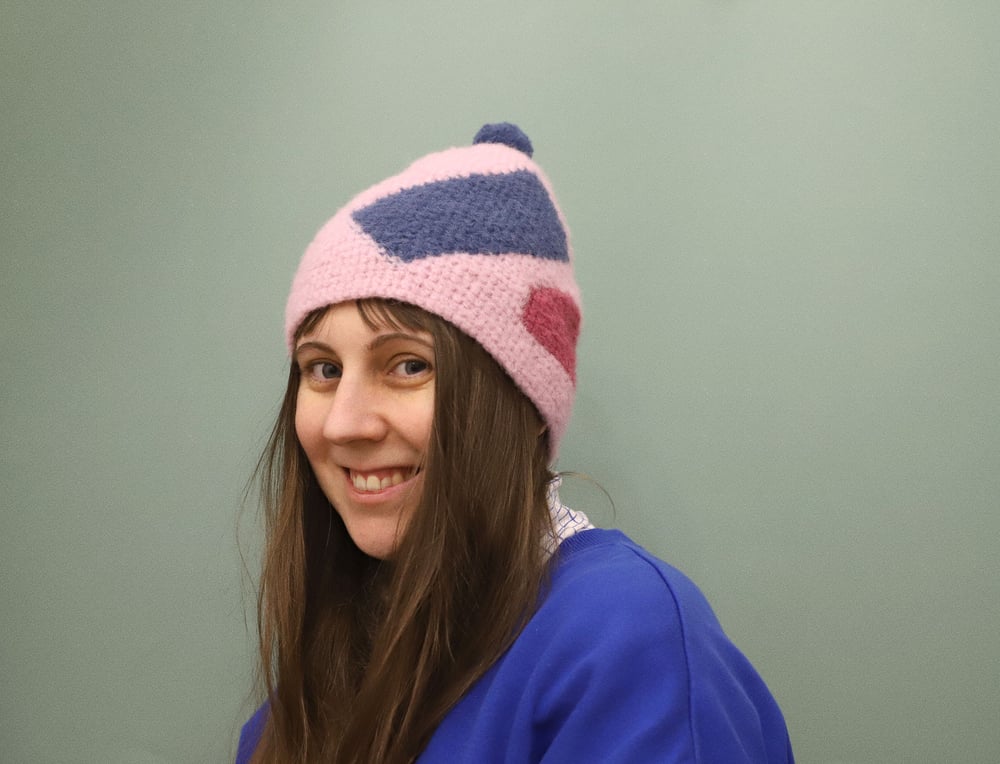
pixel 362 659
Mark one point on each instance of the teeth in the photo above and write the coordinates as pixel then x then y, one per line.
pixel 373 483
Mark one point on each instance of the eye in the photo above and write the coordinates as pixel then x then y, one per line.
pixel 323 370
pixel 411 367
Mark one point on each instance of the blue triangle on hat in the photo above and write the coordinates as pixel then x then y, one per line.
pixel 479 214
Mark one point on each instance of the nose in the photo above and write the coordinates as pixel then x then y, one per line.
pixel 355 412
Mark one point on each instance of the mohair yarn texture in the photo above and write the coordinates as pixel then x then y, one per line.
pixel 474 235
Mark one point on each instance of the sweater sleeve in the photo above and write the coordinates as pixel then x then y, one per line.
pixel 637 669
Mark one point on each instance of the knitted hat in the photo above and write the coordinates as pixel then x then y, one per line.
pixel 473 235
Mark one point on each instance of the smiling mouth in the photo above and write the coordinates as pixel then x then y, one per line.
pixel 379 480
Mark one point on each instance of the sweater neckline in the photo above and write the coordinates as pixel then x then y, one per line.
pixel 588 539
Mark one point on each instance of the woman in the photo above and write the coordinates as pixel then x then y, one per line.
pixel 425 595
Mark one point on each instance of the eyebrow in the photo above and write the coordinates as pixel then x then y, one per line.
pixel 375 343
pixel 390 336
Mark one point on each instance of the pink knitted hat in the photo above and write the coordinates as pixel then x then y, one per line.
pixel 474 235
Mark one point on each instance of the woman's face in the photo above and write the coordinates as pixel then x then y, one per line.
pixel 364 412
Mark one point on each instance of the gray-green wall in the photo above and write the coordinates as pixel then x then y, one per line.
pixel 786 217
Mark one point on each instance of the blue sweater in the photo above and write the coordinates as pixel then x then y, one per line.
pixel 623 662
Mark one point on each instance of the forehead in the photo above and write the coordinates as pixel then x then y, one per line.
pixel 351 323
pixel 377 314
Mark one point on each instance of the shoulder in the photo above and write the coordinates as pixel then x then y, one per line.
pixel 631 644
pixel 600 573
pixel 613 617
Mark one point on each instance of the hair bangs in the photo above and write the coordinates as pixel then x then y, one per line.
pixel 381 313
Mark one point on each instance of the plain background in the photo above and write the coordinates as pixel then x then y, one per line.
pixel 786 218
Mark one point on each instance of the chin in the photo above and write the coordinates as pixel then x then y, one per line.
pixel 374 542
pixel 377 551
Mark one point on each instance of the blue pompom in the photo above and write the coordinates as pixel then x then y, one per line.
pixel 506 133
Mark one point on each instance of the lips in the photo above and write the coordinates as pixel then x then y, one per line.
pixel 371 481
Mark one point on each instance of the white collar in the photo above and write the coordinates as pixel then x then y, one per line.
pixel 566 522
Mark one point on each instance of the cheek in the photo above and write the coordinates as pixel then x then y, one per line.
pixel 306 428
pixel 423 421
